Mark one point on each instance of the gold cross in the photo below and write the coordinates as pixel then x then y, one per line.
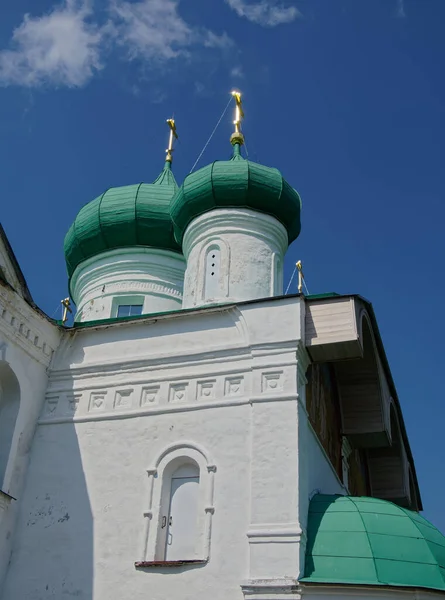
pixel 237 137
pixel 172 138
pixel 66 309
pixel 300 276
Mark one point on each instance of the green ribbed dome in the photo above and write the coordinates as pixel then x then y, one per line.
pixel 236 183
pixel 366 541
pixel 132 215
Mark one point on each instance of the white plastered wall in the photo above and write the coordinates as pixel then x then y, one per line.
pixel 27 344
pixel 147 276
pixel 225 380
pixel 233 255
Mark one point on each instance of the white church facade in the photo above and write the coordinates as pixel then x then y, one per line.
pixel 195 433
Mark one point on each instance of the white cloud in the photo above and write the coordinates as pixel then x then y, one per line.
pixel 237 72
pixel 66 47
pixel 154 29
pixel 212 40
pixel 266 12
pixel 151 29
pixel 401 14
pixel 199 88
pixel 59 48
pixel 204 91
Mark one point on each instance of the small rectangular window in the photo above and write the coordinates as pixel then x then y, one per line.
pixel 129 310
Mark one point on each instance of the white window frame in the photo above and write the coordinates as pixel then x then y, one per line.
pixel 157 499
pixel 124 300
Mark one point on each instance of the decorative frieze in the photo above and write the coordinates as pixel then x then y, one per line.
pixel 108 400
pixel 206 389
pixel 140 286
pixel 18 326
pixel 149 395
pixel 272 382
pixel 73 402
pixel 123 398
pixel 178 392
pixel 97 401
pixel 51 404
pixel 234 386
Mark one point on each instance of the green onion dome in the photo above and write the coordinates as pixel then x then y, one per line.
pixel 236 183
pixel 132 215
pixel 367 541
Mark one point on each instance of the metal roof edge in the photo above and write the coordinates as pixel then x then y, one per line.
pixel 309 582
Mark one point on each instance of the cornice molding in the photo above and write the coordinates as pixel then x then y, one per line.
pixel 163 409
pixel 235 220
pixel 285 588
pixel 166 361
pixel 18 328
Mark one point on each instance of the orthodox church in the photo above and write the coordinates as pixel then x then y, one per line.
pixel 195 433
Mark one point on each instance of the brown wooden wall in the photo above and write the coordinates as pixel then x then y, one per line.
pixel 323 408
pixel 358 474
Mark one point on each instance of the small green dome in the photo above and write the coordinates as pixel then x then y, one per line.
pixel 132 215
pixel 366 541
pixel 236 183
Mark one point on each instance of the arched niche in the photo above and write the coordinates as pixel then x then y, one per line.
pixel 213 274
pixel 389 470
pixel 364 394
pixel 187 461
pixel 9 409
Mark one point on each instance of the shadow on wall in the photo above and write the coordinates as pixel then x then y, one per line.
pixel 319 506
pixel 52 554
pixel 9 409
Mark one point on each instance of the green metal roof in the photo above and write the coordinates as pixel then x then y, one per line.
pixel 367 541
pixel 236 183
pixel 132 215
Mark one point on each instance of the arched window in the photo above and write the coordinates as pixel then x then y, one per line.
pixel 212 272
pixel 9 408
pixel 179 509
pixel 179 514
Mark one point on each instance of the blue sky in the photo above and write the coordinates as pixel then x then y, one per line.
pixel 346 97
